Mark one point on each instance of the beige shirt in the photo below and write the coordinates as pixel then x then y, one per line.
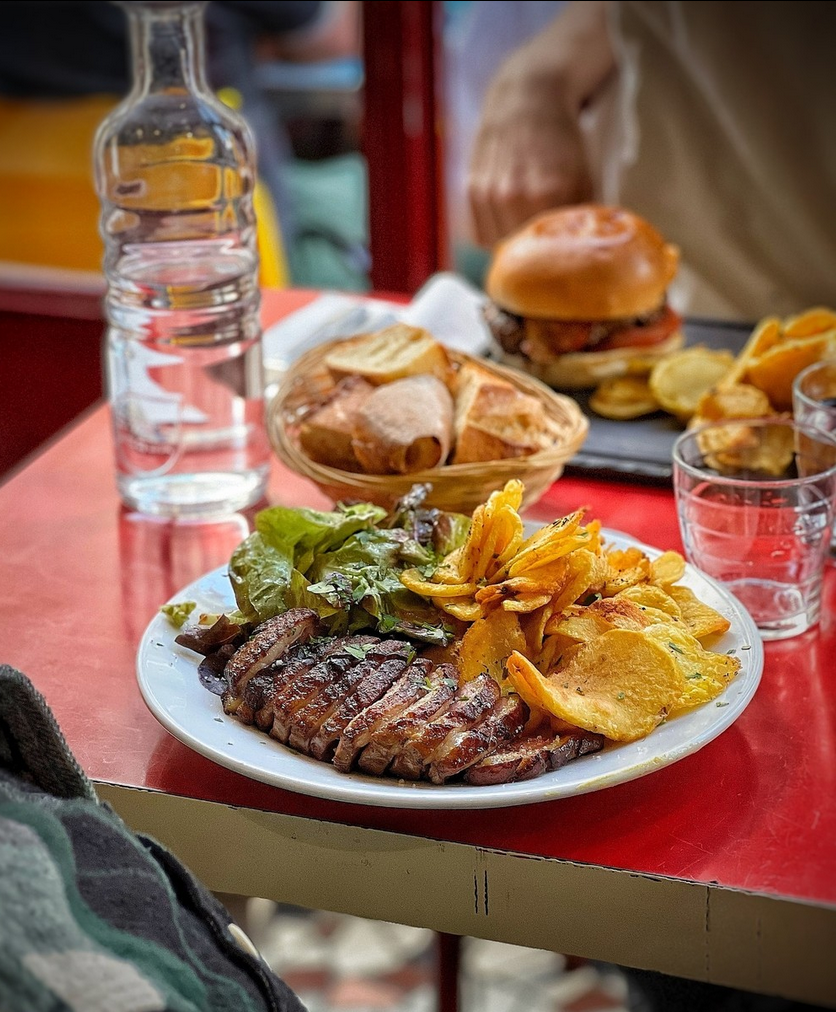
pixel 723 135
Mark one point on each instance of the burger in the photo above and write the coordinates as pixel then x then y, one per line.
pixel 578 295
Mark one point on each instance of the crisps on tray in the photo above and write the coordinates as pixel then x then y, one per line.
pixel 598 637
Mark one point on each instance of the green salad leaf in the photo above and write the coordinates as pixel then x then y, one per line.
pixel 345 565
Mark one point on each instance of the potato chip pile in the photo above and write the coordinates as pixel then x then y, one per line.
pixel 700 385
pixel 589 635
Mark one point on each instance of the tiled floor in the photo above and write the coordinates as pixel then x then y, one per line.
pixel 337 963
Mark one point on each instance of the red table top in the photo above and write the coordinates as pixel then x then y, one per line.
pixel 80 577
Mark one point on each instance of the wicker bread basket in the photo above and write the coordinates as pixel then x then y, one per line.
pixel 455 487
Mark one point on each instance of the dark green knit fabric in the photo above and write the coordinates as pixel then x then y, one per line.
pixel 94 918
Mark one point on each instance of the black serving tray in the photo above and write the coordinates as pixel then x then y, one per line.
pixel 640 449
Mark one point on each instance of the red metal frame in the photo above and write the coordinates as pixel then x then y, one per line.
pixel 402 142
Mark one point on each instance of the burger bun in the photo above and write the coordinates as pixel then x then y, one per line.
pixel 583 262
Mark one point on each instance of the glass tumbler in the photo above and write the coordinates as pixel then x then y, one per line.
pixel 814 402
pixel 755 501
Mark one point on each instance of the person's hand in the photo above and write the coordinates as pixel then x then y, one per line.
pixel 528 155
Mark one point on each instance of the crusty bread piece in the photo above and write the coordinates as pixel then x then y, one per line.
pixel 495 420
pixel 390 354
pixel 325 435
pixel 404 426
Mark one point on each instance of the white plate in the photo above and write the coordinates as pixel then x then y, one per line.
pixel 169 683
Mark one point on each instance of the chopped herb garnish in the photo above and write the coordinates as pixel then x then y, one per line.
pixel 620 695
pixel 721 704
pixel 694 674
pixel 358 650
pixel 675 648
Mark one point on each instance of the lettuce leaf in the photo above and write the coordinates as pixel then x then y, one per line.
pixel 342 565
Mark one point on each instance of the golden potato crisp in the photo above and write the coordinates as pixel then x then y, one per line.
pixel 621 685
pixel 741 400
pixel 650 597
pixel 627 568
pixel 774 371
pixel 679 380
pixel 667 568
pixel 623 397
pixel 700 619
pixel 488 643
pixel 742 447
pixel 811 321
pixel 705 673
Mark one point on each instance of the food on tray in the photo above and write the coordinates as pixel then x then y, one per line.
pixel 399 404
pixel 579 296
pixel 679 381
pixel 699 385
pixel 623 397
pixel 426 645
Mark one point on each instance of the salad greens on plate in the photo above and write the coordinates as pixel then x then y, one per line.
pixel 346 565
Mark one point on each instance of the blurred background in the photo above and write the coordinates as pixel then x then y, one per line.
pixel 363 115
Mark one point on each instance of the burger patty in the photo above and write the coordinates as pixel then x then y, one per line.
pixel 540 340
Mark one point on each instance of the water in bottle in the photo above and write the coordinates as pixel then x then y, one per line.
pixel 175 175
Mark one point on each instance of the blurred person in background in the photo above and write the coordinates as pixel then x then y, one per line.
pixel 712 120
pixel 65 64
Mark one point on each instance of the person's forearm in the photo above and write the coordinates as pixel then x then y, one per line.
pixel 573 56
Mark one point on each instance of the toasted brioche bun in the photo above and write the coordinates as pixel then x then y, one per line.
pixel 584 262
pixel 580 370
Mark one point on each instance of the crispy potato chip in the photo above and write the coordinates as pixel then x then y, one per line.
pixel 740 400
pixel 580 628
pixel 667 568
pixel 551 542
pixel 763 337
pixel 705 673
pixel 556 650
pixel 736 448
pixel 414 581
pixel 623 397
pixel 700 619
pixel 488 643
pixel 621 685
pixel 773 372
pixel 526 602
pixel 585 572
pixel 679 380
pixel 463 608
pixel 811 321
pixel 627 567
pixel 651 596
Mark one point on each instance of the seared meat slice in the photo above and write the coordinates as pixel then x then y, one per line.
pixel 411 685
pixel 532 755
pixel 366 692
pixel 471 703
pixel 393 733
pixel 270 641
pixel 310 717
pixel 262 690
pixel 296 693
pixel 462 748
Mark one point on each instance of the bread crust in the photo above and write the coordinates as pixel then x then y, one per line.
pixel 584 262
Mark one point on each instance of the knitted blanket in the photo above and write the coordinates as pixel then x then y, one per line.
pixel 93 917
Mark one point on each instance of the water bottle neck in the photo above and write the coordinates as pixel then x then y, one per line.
pixel 168 47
